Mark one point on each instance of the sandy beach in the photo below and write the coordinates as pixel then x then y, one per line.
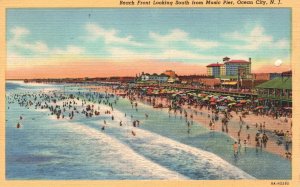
pixel 234 126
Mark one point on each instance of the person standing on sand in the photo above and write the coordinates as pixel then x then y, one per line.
pixel 247 127
pixel 248 139
pixel 261 140
pixel 260 127
pixel 265 140
pixel 213 126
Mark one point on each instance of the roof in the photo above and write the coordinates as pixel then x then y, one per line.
pixel 287 73
pixel 277 83
pixel 237 62
pixel 214 65
pixel 210 82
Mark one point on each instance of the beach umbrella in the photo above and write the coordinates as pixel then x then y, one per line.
pixel 200 96
pixel 288 108
pixel 259 107
pixel 230 104
pixel 205 99
pixel 212 103
pixel 243 101
pixel 212 99
pixel 230 98
pixel 222 107
pixel 239 104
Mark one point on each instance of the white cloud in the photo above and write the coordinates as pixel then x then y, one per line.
pixel 254 40
pixel 174 35
pixel 110 36
pixel 38 47
pixel 70 50
pixel 178 35
pixel 19 32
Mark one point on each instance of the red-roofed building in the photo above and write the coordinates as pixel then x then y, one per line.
pixel 170 73
pixel 222 69
pixel 213 69
pixel 235 67
pixel 214 65
pixel 237 62
pixel 230 68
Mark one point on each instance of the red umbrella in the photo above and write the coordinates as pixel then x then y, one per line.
pixel 259 107
pixel 212 99
pixel 212 103
pixel 239 104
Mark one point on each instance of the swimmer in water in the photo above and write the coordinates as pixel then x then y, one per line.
pixel 133 133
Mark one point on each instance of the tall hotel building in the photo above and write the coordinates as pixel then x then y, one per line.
pixel 229 68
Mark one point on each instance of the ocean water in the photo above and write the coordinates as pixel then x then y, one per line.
pixel 47 148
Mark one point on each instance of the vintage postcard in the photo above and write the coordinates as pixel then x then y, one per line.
pixel 158 92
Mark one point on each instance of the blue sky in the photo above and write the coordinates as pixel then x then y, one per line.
pixel 192 36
